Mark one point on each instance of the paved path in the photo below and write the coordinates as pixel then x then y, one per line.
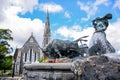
pixel 10 78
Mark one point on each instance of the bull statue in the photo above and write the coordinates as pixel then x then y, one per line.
pixel 99 43
pixel 64 48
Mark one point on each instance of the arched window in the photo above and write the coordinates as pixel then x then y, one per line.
pixel 25 57
pixel 35 57
pixel 30 55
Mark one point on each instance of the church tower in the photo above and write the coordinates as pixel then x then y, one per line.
pixel 46 35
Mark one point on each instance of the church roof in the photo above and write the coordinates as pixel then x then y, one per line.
pixel 15 54
pixel 30 40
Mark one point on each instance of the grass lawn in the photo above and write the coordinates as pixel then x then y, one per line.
pixel 8 73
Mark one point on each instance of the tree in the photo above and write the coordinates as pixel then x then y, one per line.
pixel 6 64
pixel 5 48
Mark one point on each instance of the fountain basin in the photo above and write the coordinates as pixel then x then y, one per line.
pixel 48 66
pixel 48 71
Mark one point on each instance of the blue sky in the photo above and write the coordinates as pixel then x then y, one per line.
pixel 73 12
pixel 69 19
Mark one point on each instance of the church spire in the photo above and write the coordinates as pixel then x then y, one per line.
pixel 46 35
pixel 47 18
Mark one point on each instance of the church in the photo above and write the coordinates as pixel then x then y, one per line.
pixel 30 52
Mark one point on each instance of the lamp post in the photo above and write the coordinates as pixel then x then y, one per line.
pixel 13 68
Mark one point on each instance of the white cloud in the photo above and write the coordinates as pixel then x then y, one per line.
pixel 52 7
pixel 67 15
pixel 29 5
pixel 21 27
pixel 113 34
pixel 117 4
pixel 3 6
pixel 68 32
pixel 91 8
pixel 76 31
pixel 103 2
pixel 26 5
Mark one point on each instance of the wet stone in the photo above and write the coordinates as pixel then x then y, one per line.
pixel 97 68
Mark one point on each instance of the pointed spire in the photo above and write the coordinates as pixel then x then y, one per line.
pixel 46 35
pixel 31 33
pixel 47 18
pixel 47 14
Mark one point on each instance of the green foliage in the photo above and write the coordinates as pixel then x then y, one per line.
pixel 0 71
pixel 5 35
pixel 7 63
pixel 7 74
pixel 5 48
pixel 43 59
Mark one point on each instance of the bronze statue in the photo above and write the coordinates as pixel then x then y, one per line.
pixel 99 43
pixel 64 48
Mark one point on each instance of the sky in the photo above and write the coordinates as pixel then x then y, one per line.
pixel 69 19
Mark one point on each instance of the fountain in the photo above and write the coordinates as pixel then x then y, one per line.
pixel 60 70
pixel 94 67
